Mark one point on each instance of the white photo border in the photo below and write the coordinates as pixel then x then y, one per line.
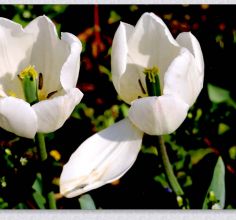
pixel 79 2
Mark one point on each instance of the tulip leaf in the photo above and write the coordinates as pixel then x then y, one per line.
pixel 232 153
pixel 3 204
pixel 149 150
pixel 114 17
pixel 222 128
pixel 216 192
pixel 37 185
pixel 105 70
pixel 39 199
pixel 163 181
pixel 197 155
pixel 217 94
pixel 37 195
pixel 86 202
pixel 21 205
pixel 124 109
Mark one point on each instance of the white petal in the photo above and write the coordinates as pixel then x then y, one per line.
pixel 186 39
pixel 15 47
pixel 182 78
pixel 49 53
pixel 54 112
pixel 158 115
pixel 125 76
pixel 18 117
pixel 15 50
pixel 2 93
pixel 101 159
pixel 70 69
pixel 152 44
pixel 119 53
pixel 149 44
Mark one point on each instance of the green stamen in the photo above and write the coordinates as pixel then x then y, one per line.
pixel 152 81
pixel 28 77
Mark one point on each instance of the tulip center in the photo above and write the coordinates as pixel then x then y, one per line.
pixel 32 83
pixel 28 77
pixel 152 81
pixel 28 72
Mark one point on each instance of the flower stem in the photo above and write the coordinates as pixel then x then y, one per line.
pixel 168 168
pixel 30 86
pixel 181 200
pixel 154 89
pixel 51 200
pixel 41 146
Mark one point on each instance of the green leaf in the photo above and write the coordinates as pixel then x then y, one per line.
pixel 133 8
pixel 162 180
pixel 232 153
pixel 188 181
pixel 217 94
pixel 197 155
pixel 19 20
pixel 3 204
pixel 37 195
pixel 39 199
pixel 223 128
pixel 124 109
pixel 114 17
pixel 220 40
pixel 216 193
pixel 105 70
pixel 86 202
pixel 37 185
pixel 198 115
pixel 149 150
pixel 21 206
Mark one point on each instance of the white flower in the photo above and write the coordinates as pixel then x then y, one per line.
pixel 107 155
pixel 57 61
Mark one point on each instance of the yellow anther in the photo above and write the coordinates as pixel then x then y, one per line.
pixel 29 71
pixel 55 154
pixel 151 72
pixel 152 81
pixel 42 95
pixel 11 93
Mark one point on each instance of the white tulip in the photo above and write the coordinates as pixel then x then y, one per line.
pixel 107 155
pixel 37 46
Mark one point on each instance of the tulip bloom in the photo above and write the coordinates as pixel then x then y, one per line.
pixel 54 64
pixel 147 47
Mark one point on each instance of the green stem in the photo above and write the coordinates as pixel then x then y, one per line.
pixel 51 200
pixel 30 85
pixel 168 168
pixel 41 146
pixel 43 157
pixel 154 89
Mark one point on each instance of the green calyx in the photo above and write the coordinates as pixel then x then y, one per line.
pixel 152 81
